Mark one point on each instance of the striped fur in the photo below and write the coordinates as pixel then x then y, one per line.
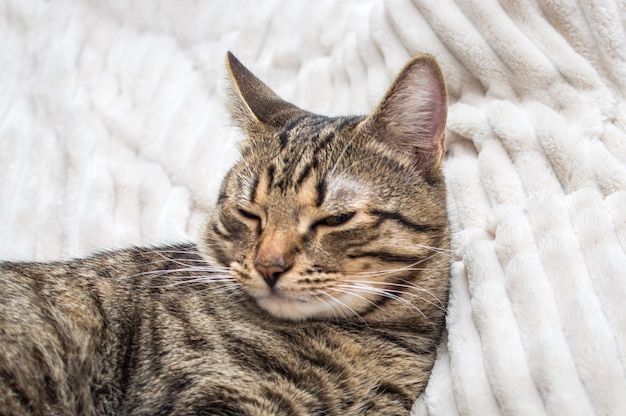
pixel 318 287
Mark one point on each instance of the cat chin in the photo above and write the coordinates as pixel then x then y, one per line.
pixel 292 309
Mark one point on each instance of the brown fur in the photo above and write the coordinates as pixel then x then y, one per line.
pixel 318 287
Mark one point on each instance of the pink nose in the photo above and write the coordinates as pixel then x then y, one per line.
pixel 271 272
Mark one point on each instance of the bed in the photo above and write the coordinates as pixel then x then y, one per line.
pixel 114 132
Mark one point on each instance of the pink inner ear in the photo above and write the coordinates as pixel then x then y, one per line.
pixel 412 116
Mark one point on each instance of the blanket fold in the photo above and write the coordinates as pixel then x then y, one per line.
pixel 114 131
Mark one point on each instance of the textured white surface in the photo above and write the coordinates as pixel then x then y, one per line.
pixel 113 131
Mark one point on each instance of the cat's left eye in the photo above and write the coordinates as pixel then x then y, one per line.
pixel 335 220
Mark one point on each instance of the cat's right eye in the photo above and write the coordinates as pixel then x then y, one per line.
pixel 249 215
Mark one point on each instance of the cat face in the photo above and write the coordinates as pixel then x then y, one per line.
pixel 329 217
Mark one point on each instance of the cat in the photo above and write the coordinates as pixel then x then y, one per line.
pixel 318 286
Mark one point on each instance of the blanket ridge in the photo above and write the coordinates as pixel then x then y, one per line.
pixel 114 132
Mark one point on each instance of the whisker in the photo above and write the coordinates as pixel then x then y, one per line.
pixel 197 280
pixel 181 261
pixel 169 250
pixel 408 286
pixel 186 261
pixel 386 272
pixel 439 250
pixel 219 283
pixel 189 261
pixel 408 267
pixel 177 272
pixel 348 292
pixel 343 307
pixel 385 293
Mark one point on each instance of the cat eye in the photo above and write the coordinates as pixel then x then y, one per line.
pixel 335 220
pixel 249 215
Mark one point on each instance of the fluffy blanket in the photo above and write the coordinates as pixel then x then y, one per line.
pixel 113 131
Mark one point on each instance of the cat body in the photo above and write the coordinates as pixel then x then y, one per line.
pixel 318 286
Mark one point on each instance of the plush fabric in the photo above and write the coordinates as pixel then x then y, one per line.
pixel 114 131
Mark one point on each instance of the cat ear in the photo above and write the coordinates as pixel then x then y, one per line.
pixel 411 117
pixel 254 103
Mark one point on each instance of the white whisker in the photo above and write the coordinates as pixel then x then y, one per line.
pixel 182 262
pixel 342 307
pixel 177 272
pixel 385 293
pixel 408 267
pixel 213 283
pixel 197 280
pixel 407 286
pixel 341 289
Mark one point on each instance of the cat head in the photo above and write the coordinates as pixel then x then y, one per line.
pixel 334 216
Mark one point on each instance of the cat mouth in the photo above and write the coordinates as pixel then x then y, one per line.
pixel 281 296
pixel 295 307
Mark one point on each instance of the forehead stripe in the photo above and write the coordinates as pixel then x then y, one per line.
pixel 270 177
pixel 284 135
pixel 321 193
pixel 304 174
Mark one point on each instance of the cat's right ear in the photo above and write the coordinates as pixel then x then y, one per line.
pixel 254 104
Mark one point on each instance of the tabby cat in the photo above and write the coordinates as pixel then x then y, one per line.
pixel 318 287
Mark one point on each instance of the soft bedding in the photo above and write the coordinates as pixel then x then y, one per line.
pixel 114 131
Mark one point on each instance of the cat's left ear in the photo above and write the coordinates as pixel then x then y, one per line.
pixel 255 105
pixel 411 117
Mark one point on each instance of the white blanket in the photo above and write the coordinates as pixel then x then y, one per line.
pixel 113 131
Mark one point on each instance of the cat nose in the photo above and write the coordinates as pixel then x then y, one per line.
pixel 270 272
pixel 273 258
